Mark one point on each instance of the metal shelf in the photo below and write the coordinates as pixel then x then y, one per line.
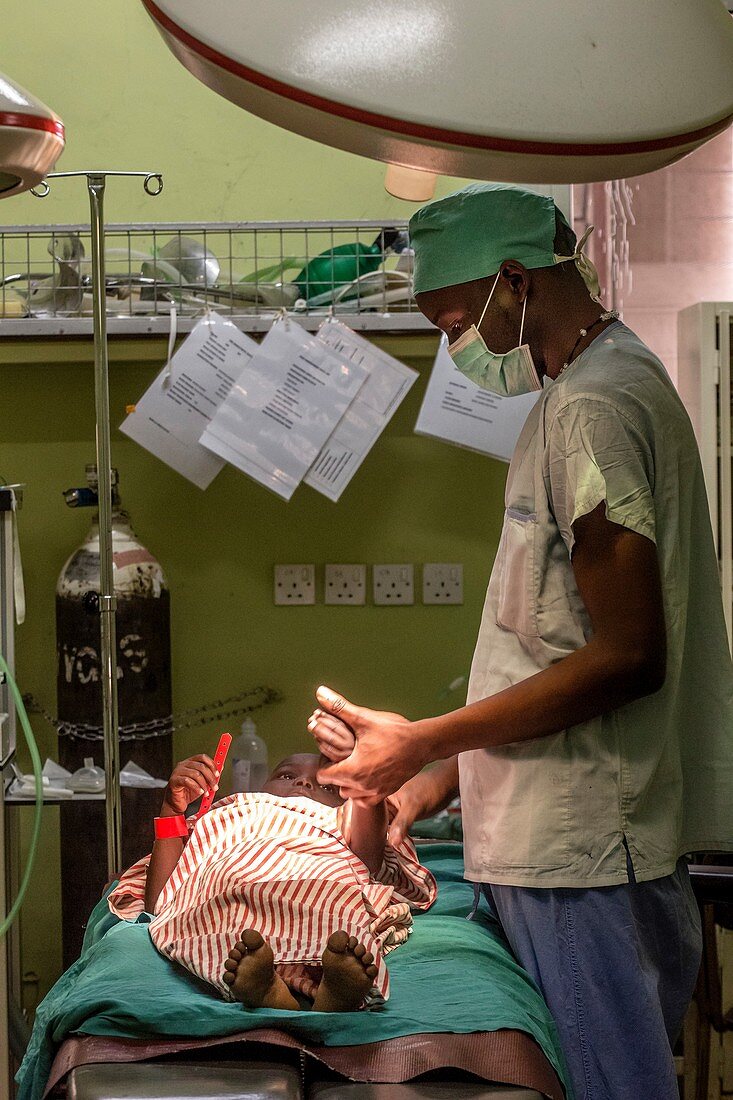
pixel 16 800
pixel 160 325
pixel 361 271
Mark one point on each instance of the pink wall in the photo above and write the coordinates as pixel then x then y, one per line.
pixel 680 250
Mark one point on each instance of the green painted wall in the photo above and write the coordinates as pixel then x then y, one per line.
pixel 127 103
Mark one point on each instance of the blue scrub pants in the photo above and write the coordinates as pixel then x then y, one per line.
pixel 617 967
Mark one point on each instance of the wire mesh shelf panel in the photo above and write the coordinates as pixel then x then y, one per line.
pixel 245 270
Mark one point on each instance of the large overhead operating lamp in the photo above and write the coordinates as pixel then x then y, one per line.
pixel 31 139
pixel 565 92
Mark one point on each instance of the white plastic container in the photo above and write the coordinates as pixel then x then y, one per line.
pixel 250 768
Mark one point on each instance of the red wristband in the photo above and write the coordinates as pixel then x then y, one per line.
pixel 166 827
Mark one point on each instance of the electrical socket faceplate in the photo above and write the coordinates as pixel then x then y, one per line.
pixel 345 584
pixel 295 584
pixel 442 582
pixel 393 584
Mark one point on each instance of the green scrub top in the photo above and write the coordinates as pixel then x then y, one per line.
pixel 655 775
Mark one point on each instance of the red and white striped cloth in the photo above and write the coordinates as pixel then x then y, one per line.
pixel 283 867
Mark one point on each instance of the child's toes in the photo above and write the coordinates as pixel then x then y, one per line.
pixel 251 940
pixel 338 942
pixel 371 971
pixel 367 958
pixel 228 977
pixel 353 942
pixel 230 964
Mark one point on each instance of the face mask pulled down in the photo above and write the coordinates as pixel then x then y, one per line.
pixel 509 374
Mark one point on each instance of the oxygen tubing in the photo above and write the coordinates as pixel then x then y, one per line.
pixel 36 760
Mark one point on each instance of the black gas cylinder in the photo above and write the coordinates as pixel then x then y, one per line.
pixel 144 701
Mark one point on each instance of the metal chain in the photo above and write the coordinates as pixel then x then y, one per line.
pixel 159 727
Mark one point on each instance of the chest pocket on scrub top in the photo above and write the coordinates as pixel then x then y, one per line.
pixel 517 606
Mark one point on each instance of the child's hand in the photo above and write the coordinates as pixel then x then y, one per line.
pixel 190 779
pixel 335 739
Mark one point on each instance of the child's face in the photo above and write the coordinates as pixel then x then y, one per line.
pixel 295 776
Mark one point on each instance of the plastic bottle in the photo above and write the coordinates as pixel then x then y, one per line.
pixel 249 760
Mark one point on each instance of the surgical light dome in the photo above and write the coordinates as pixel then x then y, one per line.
pixel 533 91
pixel 31 139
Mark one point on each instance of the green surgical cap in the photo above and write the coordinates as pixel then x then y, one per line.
pixel 468 234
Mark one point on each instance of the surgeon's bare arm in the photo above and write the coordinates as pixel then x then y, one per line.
pixel 189 780
pixel 617 574
pixel 426 794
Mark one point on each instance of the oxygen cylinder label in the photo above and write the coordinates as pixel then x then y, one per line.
pixel 143 673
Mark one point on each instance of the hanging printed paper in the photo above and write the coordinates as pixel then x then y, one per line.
pixel 367 416
pixel 283 408
pixel 170 416
pixel 458 411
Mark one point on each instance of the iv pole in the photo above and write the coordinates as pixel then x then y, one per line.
pixel 96 182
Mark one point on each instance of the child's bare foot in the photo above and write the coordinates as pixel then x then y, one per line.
pixel 348 975
pixel 250 974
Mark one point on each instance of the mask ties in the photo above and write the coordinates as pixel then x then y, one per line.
pixel 524 310
pixel 491 293
pixel 521 327
pixel 585 266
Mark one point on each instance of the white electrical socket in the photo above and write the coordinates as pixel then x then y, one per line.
pixel 393 584
pixel 345 584
pixel 442 582
pixel 295 584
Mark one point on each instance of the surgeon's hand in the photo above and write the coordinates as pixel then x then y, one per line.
pixel 387 752
pixel 423 796
pixel 190 779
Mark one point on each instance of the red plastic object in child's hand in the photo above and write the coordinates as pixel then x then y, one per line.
pixel 219 757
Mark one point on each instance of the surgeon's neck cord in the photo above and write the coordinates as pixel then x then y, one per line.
pixel 608 315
